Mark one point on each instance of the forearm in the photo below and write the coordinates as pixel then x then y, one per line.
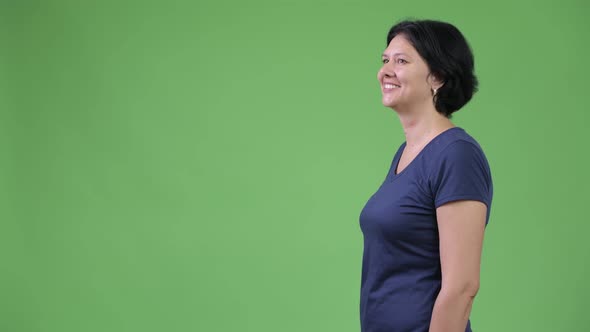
pixel 451 311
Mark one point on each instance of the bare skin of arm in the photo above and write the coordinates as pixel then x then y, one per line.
pixel 461 227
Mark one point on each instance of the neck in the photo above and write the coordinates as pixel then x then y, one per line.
pixel 421 127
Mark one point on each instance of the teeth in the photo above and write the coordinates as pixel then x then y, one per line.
pixel 391 86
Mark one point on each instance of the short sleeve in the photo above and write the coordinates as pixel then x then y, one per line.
pixel 462 173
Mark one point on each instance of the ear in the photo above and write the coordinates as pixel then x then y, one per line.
pixel 435 82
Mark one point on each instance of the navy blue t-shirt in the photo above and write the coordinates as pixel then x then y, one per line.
pixel 401 273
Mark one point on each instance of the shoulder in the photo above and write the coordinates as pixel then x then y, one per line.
pixel 459 139
pixel 456 147
pixel 460 170
pixel 460 150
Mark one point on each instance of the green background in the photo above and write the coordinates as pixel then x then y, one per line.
pixel 201 166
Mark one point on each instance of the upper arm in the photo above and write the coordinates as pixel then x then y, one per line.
pixel 462 173
pixel 461 227
pixel 462 190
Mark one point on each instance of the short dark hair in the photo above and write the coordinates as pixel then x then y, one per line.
pixel 448 56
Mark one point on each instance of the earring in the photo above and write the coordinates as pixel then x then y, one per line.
pixel 434 92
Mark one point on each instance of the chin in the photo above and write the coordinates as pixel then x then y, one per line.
pixel 389 103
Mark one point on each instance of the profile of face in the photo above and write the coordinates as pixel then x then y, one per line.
pixel 405 78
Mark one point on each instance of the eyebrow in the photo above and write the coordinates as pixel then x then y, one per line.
pixel 395 54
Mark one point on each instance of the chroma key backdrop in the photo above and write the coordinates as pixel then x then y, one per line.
pixel 201 165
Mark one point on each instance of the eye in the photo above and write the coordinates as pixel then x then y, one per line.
pixel 385 60
pixel 401 61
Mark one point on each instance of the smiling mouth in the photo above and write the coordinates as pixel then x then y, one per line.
pixel 390 86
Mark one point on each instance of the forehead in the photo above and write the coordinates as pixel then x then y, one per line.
pixel 399 44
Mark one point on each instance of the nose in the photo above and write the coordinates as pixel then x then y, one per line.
pixel 386 71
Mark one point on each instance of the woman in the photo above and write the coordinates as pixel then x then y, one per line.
pixel 423 228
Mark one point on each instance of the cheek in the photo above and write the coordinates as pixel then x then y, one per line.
pixel 407 78
pixel 402 75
